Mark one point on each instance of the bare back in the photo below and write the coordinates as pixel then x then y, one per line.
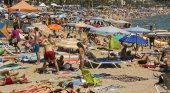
pixel 49 48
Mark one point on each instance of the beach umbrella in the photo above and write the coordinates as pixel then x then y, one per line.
pixel 71 24
pixel 120 22
pixel 137 30
pixel 97 18
pixel 32 15
pixel 42 5
pixel 81 24
pixel 55 27
pixel 134 39
pixel 109 30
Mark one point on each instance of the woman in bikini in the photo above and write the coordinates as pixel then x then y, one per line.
pixel 8 80
pixel 81 55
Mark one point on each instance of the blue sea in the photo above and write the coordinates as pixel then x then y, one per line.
pixel 159 22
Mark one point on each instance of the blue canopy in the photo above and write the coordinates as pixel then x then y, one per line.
pixel 137 30
pixel 134 39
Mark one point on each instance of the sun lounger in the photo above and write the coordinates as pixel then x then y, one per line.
pixel 103 61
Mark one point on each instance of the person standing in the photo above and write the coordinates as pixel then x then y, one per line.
pixel 81 55
pixel 15 38
pixel 36 44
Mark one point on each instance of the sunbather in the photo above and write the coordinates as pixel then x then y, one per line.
pixel 3 50
pixel 143 60
pixel 69 88
pixel 13 80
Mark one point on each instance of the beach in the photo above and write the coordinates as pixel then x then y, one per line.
pixel 69 49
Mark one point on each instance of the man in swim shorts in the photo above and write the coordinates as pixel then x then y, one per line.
pixel 49 55
pixel 37 45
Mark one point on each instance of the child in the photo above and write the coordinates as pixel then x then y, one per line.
pixel 27 44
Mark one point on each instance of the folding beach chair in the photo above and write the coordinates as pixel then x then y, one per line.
pixel 90 79
pixel 164 83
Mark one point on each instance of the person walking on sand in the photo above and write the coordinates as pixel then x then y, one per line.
pixel 16 38
pixel 49 55
pixel 81 55
pixel 36 44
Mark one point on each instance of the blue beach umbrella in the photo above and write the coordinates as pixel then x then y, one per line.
pixel 134 39
pixel 137 30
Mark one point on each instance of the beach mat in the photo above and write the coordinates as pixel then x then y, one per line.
pixel 127 78
pixel 11 66
pixel 109 88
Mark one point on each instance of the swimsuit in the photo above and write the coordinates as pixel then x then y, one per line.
pixel 49 55
pixel 37 47
pixel 2 51
pixel 8 81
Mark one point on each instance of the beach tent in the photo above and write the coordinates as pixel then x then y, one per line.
pixel 23 7
pixel 3 29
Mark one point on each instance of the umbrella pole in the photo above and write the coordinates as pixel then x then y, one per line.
pixel 109 47
pixel 69 55
pixel 136 45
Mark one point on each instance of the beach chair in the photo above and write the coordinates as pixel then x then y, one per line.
pixel 103 61
pixel 92 60
pixel 164 83
pixel 90 79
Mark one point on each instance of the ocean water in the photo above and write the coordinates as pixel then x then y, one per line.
pixel 158 22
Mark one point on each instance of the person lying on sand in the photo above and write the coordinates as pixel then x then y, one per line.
pixel 69 88
pixel 13 80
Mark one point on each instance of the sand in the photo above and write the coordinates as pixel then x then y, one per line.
pixel 146 86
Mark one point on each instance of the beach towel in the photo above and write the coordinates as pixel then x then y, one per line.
pixel 109 88
pixel 11 66
pixel 127 78
pixel 31 58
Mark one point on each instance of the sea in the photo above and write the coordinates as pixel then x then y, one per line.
pixel 158 22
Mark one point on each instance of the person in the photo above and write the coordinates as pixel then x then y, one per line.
pixel 151 41
pixel 27 44
pixel 8 80
pixel 60 62
pixel 69 88
pixel 123 52
pixel 49 55
pixel 36 44
pixel 3 50
pixel 15 39
pixel 81 54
